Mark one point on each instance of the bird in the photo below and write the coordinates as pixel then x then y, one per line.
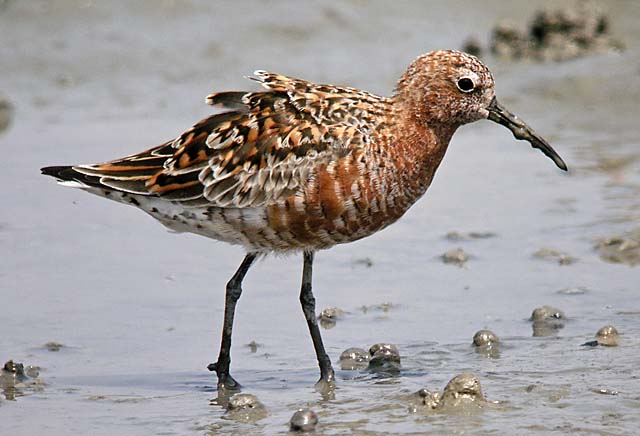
pixel 299 167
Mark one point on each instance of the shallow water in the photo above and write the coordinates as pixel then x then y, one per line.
pixel 139 310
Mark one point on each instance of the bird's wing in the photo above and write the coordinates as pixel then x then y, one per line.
pixel 265 146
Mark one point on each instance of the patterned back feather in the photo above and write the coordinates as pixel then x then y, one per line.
pixel 263 148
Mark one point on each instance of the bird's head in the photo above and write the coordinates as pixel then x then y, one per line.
pixel 451 88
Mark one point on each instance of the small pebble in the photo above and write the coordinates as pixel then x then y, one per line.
pixel 303 420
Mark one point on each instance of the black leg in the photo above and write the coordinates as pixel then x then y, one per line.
pixel 308 302
pixel 234 289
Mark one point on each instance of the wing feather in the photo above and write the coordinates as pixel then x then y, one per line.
pixel 263 147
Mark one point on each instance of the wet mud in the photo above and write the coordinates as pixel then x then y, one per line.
pixel 623 248
pixel 53 346
pixel 462 394
pixel 553 33
pixel 245 408
pixel 135 312
pixel 456 256
pixel 18 380
pixel 329 316
pixel 469 236
pixel 6 113
pixel 554 255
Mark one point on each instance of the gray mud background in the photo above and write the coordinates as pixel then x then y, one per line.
pixel 138 311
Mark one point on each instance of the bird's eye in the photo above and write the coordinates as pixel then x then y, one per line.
pixel 465 84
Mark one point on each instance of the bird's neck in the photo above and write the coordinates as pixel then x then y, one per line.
pixel 419 151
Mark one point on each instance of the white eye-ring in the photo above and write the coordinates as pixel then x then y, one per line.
pixel 465 84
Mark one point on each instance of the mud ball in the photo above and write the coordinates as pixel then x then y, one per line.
pixel 354 358
pixel 245 407
pixel 427 398
pixel 463 388
pixel 384 357
pixel 485 338
pixel 456 256
pixel 547 313
pixel 547 320
pixel 13 367
pixel 303 420
pixel 608 336
pixel 32 371
pixel 243 401
pixel 383 347
pixel 329 316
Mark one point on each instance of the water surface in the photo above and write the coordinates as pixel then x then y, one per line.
pixel 139 310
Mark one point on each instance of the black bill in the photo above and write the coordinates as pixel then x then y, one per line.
pixel 521 130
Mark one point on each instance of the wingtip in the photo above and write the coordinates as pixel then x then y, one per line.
pixel 67 176
pixel 55 171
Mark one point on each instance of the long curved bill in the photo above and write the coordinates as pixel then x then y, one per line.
pixel 521 130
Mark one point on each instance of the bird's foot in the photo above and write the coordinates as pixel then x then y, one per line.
pixel 327 382
pixel 226 383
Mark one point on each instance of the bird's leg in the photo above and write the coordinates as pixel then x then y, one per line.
pixel 308 302
pixel 234 289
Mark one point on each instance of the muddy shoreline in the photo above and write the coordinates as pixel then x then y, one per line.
pixel 122 317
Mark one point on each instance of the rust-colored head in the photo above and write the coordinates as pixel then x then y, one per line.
pixel 448 88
